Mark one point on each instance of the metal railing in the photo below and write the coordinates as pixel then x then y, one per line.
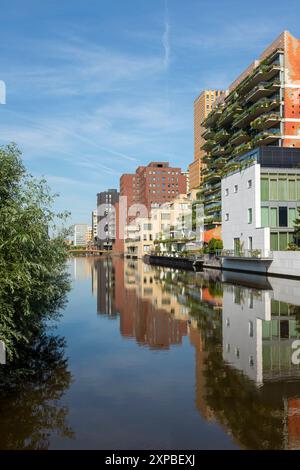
pixel 252 254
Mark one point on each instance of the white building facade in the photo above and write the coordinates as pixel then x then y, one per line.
pixel 259 208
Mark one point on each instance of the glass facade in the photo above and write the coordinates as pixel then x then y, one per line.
pixel 278 192
pixel 279 187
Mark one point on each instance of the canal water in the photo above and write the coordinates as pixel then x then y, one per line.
pixel 154 358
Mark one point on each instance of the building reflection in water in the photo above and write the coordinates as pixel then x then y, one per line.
pixel 242 328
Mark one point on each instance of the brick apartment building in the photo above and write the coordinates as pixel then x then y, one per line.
pixel 153 184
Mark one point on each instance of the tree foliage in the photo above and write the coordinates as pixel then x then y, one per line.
pixel 33 279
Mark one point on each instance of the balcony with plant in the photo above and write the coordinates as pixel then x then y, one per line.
pixel 208 145
pixel 222 136
pixel 262 90
pixel 218 150
pixel 213 176
pixel 267 137
pixel 265 121
pixel 262 106
pixel 208 134
pixel 262 72
pixel 240 137
pixel 212 117
pixel 229 113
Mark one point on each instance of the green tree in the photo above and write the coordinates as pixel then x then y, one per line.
pixel 214 244
pixel 33 279
pixel 297 229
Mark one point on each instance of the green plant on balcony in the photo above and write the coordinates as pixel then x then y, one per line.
pixel 221 135
pixel 243 148
pixel 209 144
pixel 229 113
pixel 259 122
pixel 265 134
pixel 241 135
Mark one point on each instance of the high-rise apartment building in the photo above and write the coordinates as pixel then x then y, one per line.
pixel 202 107
pixel 106 214
pixel 150 185
pixel 261 108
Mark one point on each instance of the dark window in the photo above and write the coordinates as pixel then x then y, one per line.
pixel 284 329
pixel 283 217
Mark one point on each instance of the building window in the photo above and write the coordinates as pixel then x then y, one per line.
pixel 273 217
pixel 283 218
pixel 226 192
pixel 249 184
pixel 236 188
pixel 250 243
pixel 292 217
pixel 250 216
pixel 264 189
pixel 250 328
pixel 264 216
pixel 226 216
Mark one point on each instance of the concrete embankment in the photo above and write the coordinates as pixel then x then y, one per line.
pixel 283 264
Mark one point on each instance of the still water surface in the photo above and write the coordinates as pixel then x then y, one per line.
pixel 155 358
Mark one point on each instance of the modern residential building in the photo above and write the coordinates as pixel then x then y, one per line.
pixel 187 175
pixel 168 228
pixel 106 218
pixel 261 108
pixel 203 104
pixel 155 183
pixel 80 234
pixel 260 200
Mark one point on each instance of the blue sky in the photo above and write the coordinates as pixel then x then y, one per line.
pixel 97 87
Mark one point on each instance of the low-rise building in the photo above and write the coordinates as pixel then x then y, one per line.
pixel 260 200
pixel 168 228
pixel 138 237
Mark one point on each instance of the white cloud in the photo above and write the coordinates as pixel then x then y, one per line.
pixel 166 38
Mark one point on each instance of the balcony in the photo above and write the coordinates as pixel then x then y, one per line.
pixel 213 197
pixel 211 190
pixel 221 136
pixel 240 137
pixel 217 150
pixel 267 137
pixel 208 134
pixel 256 110
pixel 209 144
pixel 262 90
pixel 229 113
pixel 243 148
pixel 265 121
pixel 212 117
pixel 213 176
pixel 212 220
pixel 261 73
pixel 219 162
pixel 246 254
pixel 212 207
pixel 206 159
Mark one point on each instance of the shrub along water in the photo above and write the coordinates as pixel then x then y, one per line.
pixel 33 278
